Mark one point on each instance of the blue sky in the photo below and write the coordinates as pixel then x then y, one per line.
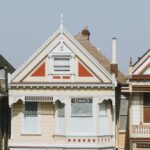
pixel 26 24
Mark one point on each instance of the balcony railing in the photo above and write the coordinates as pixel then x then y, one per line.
pixel 141 131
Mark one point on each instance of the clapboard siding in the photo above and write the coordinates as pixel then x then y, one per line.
pixel 123 141
pixel 46 123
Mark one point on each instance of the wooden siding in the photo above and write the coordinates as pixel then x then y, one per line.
pixel 123 140
pixel 47 124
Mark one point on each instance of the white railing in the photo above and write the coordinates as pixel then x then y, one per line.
pixel 141 130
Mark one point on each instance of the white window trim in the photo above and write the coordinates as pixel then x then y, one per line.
pixel 61 72
pixel 56 121
pixel 23 132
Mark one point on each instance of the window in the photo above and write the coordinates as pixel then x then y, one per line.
pixel 60 107
pixel 146 98
pixel 123 115
pixel 62 64
pixel 81 120
pixel 31 124
pixel 81 107
pixel 103 119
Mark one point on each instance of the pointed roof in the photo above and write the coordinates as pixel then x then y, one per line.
pixel 140 58
pixel 5 63
pixel 97 54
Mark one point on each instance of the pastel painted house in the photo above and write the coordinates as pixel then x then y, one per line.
pixel 63 97
pixel 139 88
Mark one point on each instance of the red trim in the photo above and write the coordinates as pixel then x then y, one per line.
pixel 40 71
pixel 56 77
pixel 140 77
pixel 66 77
pixel 83 72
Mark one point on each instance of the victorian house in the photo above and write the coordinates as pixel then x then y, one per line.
pixel 63 96
pixel 139 89
pixel 5 68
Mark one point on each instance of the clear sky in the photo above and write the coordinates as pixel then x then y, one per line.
pixel 26 24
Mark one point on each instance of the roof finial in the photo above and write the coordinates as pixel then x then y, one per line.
pixel 61 21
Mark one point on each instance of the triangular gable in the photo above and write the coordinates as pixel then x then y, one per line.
pixel 51 47
pixel 147 71
pixel 39 71
pixel 83 71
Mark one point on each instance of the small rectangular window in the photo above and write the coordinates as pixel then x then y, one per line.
pixel 81 107
pixel 62 64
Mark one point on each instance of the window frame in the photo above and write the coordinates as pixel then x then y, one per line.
pixel 24 131
pixel 61 71
pixel 145 106
pixel 57 131
pixel 77 115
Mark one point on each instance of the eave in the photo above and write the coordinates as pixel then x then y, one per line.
pixel 62 85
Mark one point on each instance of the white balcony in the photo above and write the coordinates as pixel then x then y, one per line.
pixel 141 131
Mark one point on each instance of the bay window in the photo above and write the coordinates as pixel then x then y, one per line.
pixel 81 116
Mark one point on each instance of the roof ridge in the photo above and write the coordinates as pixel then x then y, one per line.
pixel 98 55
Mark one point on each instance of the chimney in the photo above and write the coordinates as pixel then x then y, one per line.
pixel 86 32
pixel 114 65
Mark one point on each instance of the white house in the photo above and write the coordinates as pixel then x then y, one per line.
pixel 63 96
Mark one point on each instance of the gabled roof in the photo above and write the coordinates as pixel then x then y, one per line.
pixel 43 51
pixel 142 64
pixel 97 54
pixel 5 63
pixel 148 51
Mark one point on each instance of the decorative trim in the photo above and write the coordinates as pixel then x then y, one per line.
pixel 82 71
pixel 40 71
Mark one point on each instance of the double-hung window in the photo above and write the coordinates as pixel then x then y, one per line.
pixel 31 122
pixel 82 116
pixel 61 64
pixel 103 119
pixel 60 107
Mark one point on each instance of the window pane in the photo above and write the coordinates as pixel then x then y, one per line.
pixel 31 117
pixel 124 107
pixel 147 99
pixel 81 107
pixel 31 109
pixel 61 109
pixel 60 117
pixel 103 109
pixel 123 123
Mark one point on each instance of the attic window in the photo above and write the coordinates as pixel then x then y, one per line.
pixel 62 64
